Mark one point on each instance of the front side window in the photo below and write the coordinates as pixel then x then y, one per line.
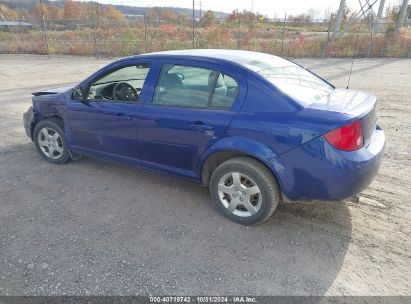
pixel 292 79
pixel 187 86
pixel 124 84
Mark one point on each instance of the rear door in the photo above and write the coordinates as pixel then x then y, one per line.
pixel 105 124
pixel 191 108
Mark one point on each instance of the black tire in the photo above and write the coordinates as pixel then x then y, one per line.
pixel 258 175
pixel 52 124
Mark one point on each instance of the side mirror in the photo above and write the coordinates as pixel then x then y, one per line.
pixel 80 93
pixel 77 94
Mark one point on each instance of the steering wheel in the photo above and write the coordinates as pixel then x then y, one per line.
pixel 124 91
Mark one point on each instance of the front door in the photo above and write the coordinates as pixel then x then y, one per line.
pixel 105 123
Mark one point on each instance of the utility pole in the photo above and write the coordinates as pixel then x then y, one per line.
pixel 379 15
pixel 380 9
pixel 282 39
pixel 200 11
pixel 327 53
pixel 338 19
pixel 44 28
pixel 193 24
pixel 238 31
pixel 401 16
pixel 95 20
pixel 145 33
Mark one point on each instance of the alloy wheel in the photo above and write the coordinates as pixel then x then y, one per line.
pixel 240 194
pixel 50 143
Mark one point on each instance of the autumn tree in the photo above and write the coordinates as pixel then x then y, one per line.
pixel 261 17
pixel 157 14
pixel 17 14
pixel 154 15
pixel 50 11
pixel 348 13
pixel 54 11
pixel 72 10
pixel 24 14
pixel 182 18
pixel 300 18
pixel 7 13
pixel 168 15
pixel 38 13
pixel 207 19
pixel 245 15
pixel 392 12
pixel 111 13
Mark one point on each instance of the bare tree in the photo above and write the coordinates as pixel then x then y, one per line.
pixel 312 13
pixel 327 13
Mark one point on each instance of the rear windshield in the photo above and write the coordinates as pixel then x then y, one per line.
pixel 291 79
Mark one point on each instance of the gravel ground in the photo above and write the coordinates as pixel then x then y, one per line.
pixel 92 227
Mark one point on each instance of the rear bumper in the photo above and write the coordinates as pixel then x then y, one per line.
pixel 318 171
pixel 28 121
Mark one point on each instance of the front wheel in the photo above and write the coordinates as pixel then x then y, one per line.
pixel 244 190
pixel 50 141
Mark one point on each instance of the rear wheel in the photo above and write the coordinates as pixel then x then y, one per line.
pixel 50 141
pixel 244 190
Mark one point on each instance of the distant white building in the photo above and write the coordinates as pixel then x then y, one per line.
pixel 10 25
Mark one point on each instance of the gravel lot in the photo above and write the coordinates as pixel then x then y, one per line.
pixel 92 227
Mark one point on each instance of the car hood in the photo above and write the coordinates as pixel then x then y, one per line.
pixel 345 101
pixel 52 91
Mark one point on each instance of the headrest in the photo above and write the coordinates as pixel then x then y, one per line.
pixel 172 81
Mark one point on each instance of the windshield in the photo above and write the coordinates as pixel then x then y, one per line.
pixel 291 79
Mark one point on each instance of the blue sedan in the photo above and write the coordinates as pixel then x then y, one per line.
pixel 254 127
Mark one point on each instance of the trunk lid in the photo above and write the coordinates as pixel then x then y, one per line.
pixel 354 103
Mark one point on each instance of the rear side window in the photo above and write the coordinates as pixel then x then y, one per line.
pixel 187 86
pixel 225 92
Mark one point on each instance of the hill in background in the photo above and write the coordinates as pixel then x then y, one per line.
pixel 127 10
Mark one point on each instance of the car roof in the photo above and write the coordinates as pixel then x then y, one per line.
pixel 236 56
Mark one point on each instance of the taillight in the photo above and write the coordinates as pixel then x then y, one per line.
pixel 347 138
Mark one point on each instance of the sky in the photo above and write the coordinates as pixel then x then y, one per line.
pixel 271 8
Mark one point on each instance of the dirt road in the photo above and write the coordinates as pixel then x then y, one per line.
pixel 92 227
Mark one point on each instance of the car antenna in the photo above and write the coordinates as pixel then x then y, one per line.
pixel 353 58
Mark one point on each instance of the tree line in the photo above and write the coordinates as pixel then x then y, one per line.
pixel 77 10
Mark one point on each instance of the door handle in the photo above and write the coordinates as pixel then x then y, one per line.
pixel 200 126
pixel 122 117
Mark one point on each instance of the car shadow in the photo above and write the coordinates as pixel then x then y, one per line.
pixel 136 232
